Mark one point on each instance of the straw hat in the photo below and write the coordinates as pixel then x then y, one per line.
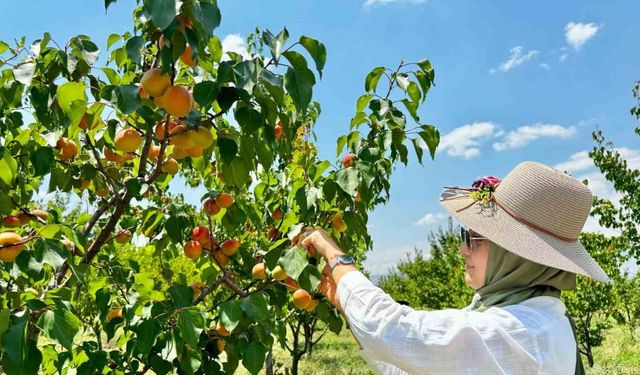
pixel 536 212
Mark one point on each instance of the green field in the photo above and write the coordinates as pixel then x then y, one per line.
pixel 338 355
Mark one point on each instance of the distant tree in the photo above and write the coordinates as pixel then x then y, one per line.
pixel 592 304
pixel 434 280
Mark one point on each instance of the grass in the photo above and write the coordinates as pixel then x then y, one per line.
pixel 338 355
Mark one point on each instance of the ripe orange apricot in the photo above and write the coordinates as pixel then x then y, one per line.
pixel 222 331
pixel 123 236
pixel 192 249
pixel 10 253
pixel 222 259
pixel 301 298
pixel 143 92
pixel 277 214
pixel 181 138
pixel 177 101
pixel 278 131
pixel 127 140
pixel 348 159
pixel 184 22
pixel 171 166
pixel 201 234
pixel 224 200
pixel 179 153
pixel 187 56
pixel 194 152
pixel 197 287
pixel 210 207
pixel 158 101
pixel 338 222
pixel 154 82
pixel 202 137
pixel 312 305
pixel 67 149
pixel 220 345
pixel 154 153
pixel 115 313
pixel 230 247
pixel 291 283
pixel 11 221
pixel 258 271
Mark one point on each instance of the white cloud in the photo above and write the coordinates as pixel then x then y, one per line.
pixel 526 134
pixel 430 218
pixel 516 58
pixel 563 57
pixel 369 3
pixel 464 142
pixel 544 66
pixel 235 43
pixel 577 162
pixel 577 34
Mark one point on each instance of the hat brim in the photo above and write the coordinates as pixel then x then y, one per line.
pixel 498 226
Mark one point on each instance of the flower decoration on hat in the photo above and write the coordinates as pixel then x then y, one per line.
pixel 483 188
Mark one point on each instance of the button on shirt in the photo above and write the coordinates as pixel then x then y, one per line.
pixel 532 337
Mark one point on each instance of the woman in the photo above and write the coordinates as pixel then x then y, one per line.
pixel 521 249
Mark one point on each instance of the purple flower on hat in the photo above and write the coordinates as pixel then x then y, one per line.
pixel 490 182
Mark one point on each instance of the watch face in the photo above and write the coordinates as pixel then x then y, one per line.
pixel 345 259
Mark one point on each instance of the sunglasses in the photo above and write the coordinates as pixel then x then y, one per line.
pixel 467 237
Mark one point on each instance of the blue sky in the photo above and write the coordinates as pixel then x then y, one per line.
pixel 515 81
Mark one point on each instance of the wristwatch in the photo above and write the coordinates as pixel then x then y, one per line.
pixel 340 259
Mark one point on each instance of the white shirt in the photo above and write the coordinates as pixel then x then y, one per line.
pixel 532 337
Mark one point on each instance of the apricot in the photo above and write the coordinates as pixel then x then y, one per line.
pixel 123 236
pixel 338 222
pixel 154 153
pixel 279 274
pixel 272 235
pixel 187 56
pixel 10 253
pixel 143 93
pixel 192 249
pixel 230 247
pixel 154 82
pixel 115 313
pixel 277 214
pixel 194 152
pixel 11 221
pixel 312 305
pixel 171 166
pixel 258 271
pixel 201 234
pixel 347 161
pixel 158 101
pixel 197 287
pixel 181 138
pixel 159 130
pixel 103 192
pixel 220 345
pixel 222 331
pixel 278 131
pixel 202 137
pixel 184 22
pixel 222 259
pixel 291 283
pixel 67 149
pixel 83 123
pixel 128 140
pixel 179 153
pixel 177 101
pixel 42 214
pixel 224 200
pixel 24 218
pixel 210 207
pixel 301 298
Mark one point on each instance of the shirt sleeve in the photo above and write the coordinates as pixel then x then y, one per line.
pixel 398 338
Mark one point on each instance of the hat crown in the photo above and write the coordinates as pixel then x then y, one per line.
pixel 547 198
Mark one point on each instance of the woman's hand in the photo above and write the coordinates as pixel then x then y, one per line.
pixel 329 289
pixel 318 241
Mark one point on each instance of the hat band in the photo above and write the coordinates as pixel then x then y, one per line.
pixel 510 212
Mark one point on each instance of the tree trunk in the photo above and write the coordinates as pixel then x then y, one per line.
pixel 294 364
pixel 268 363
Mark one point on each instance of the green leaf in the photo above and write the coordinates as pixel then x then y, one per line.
pixel 107 3
pixel 275 43
pixel 247 74
pixel 4 322
pixel 24 71
pixel 210 17
pixel 228 148
pixel 293 261
pixel 70 92
pixel 299 83
pixel 414 92
pixel 256 307
pixel 347 179
pixel 309 278
pixel 181 295
pixel 60 324
pixel 236 173
pixel 431 137
pixel 162 12
pixel 371 82
pixel 297 60
pixel 230 314
pixel 113 38
pixel 418 148
pixel 363 101
pixel 249 119
pixel 191 324
pixel 21 355
pixel 8 169
pixel 128 98
pixel 253 357
pixel 412 107
pixel 205 93
pixel 42 159
pixel 134 49
pixel 146 335
pixel 317 51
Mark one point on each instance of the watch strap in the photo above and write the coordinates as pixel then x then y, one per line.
pixel 340 259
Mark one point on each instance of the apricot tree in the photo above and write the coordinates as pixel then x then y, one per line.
pixel 144 281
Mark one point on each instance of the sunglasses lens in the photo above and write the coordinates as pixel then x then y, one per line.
pixel 465 237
